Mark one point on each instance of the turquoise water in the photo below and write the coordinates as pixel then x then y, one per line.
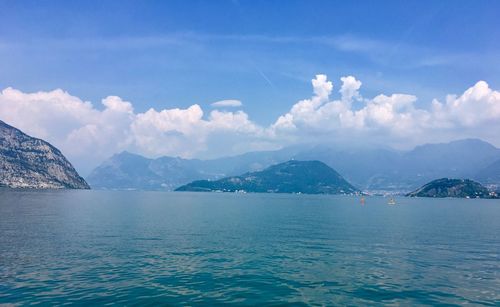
pixel 149 248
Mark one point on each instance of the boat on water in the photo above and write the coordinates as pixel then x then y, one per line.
pixel 391 201
pixel 362 200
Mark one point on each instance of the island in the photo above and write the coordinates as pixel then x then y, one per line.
pixel 305 177
pixel 446 187
pixel 28 162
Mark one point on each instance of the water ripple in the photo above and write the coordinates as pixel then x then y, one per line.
pixel 139 248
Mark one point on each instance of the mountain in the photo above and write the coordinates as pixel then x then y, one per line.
pixel 369 168
pixel 308 177
pixel 387 169
pixel 489 174
pixel 456 159
pixel 366 168
pixel 27 162
pixel 445 187
pixel 130 171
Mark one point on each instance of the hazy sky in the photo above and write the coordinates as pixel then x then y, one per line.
pixel 211 78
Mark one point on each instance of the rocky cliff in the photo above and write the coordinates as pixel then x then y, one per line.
pixel 27 162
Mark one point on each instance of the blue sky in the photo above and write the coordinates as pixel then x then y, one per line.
pixel 176 53
pixel 115 60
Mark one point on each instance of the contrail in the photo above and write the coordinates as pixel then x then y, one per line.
pixel 265 77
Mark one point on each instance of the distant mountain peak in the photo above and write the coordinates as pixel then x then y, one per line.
pixel 457 143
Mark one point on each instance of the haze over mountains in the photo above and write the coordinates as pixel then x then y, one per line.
pixel 33 163
pixel 367 169
pixel 131 171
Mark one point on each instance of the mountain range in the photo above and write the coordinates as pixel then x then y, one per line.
pixel 33 163
pixel 131 171
pixel 368 169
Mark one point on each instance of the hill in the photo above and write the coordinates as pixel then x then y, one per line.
pixel 445 187
pixel 308 177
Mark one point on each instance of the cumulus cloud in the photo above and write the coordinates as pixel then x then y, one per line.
pixel 87 134
pixel 350 87
pixel 395 119
pixel 227 103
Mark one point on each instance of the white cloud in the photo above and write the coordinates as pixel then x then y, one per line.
pixel 87 134
pixel 227 103
pixel 393 120
pixel 350 87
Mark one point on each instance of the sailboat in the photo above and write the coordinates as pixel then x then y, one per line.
pixel 391 201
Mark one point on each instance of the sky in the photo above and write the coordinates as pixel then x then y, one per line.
pixel 214 78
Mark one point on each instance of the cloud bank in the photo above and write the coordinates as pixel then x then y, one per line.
pixel 87 134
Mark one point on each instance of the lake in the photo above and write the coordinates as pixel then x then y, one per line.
pixel 150 248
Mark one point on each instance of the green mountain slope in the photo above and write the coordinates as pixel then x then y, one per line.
pixel 308 177
pixel 445 187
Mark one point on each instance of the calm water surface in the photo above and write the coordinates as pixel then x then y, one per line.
pixel 150 248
